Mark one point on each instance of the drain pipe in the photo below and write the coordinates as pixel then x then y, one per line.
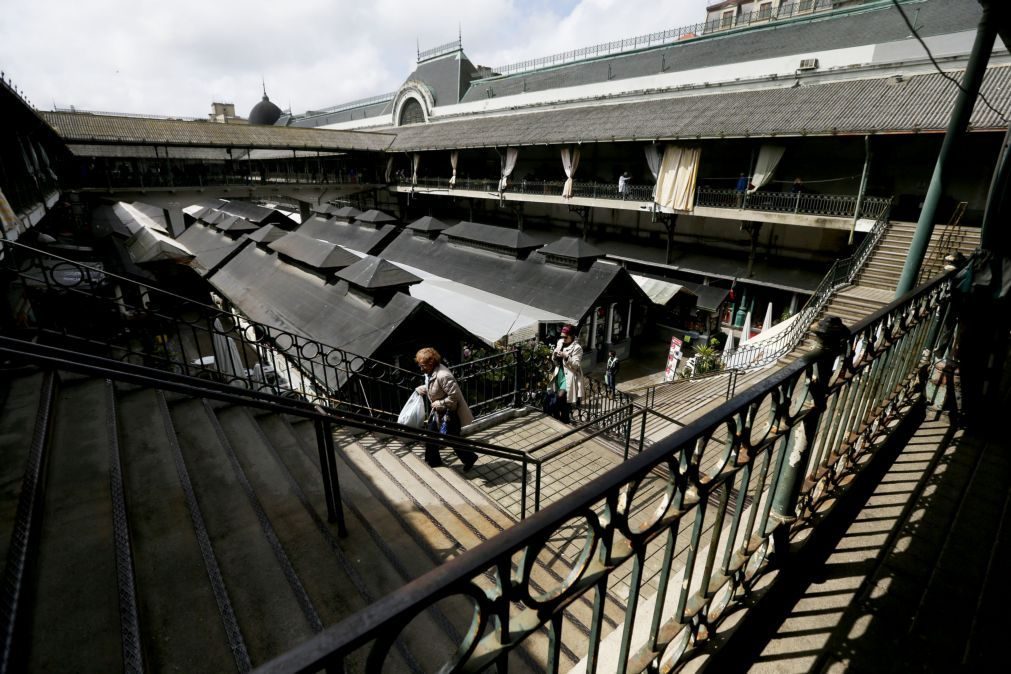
pixel 957 123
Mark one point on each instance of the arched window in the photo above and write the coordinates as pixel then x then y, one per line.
pixel 411 113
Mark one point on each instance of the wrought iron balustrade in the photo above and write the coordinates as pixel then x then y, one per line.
pixel 842 272
pixel 92 310
pixel 833 205
pixel 734 486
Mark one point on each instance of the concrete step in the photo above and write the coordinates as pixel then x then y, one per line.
pixel 22 401
pixel 76 529
pixel 266 607
pixel 183 628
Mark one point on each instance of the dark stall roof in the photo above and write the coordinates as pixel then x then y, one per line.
pixel 571 247
pixel 562 291
pixel 501 237
pixel 347 212
pixel 126 219
pixel 252 212
pixel 373 272
pixel 427 224
pixel 234 223
pixel 374 217
pixel 709 297
pixel 267 234
pixel 321 255
pixel 361 238
pixel 275 293
pixel 209 247
pixel 884 104
pixel 97 129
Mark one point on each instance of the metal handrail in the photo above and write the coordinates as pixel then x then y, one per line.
pixel 828 411
pixel 142 324
pixel 842 271
pixel 806 203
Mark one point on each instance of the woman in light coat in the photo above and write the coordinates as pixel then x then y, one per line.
pixel 567 378
pixel 448 405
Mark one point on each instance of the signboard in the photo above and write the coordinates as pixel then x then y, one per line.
pixel 673 359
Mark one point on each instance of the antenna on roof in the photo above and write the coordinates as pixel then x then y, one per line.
pixel 417 45
pixel 459 33
pixel 264 85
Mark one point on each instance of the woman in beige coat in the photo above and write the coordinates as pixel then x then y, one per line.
pixel 448 405
pixel 567 378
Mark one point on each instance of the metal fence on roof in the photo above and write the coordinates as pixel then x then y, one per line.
pixel 447 48
pixel 766 15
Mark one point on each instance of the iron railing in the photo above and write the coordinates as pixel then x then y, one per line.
pixel 785 10
pixel 92 310
pixel 835 205
pixel 737 483
pixel 842 272
pixel 195 177
pixel 447 48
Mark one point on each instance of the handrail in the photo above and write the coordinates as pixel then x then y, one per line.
pixel 828 411
pixel 842 271
pixel 142 323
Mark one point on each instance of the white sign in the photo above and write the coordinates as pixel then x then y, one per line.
pixel 673 359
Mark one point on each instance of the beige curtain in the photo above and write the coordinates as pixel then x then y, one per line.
pixel 454 156
pixel 675 187
pixel 765 167
pixel 570 162
pixel 415 162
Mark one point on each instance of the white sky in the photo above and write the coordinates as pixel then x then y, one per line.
pixel 174 57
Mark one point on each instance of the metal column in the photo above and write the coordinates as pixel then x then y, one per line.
pixel 971 81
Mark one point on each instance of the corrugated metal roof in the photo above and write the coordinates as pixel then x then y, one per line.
pixel 313 253
pixel 269 291
pixel 915 103
pixel 267 234
pixel 372 272
pixel 563 291
pixel 361 238
pixel 87 128
pixel 208 246
pixel 503 237
pixel 867 25
pixel 571 247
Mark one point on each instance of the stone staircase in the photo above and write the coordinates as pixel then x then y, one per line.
pixel 884 267
pixel 146 530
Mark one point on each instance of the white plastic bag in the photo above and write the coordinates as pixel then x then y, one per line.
pixel 413 414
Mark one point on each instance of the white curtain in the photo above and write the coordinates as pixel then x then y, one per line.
pixel 679 169
pixel 570 161
pixel 653 161
pixel 415 161
pixel 768 160
pixel 508 164
pixel 454 156
pixel 389 168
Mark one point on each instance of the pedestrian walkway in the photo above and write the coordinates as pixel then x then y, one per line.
pixel 918 581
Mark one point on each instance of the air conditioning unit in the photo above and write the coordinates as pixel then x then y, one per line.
pixel 808 64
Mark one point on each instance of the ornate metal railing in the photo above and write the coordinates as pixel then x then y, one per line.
pixel 834 205
pixel 247 176
pixel 843 271
pixel 550 188
pixel 736 484
pixel 90 309
pixel 783 11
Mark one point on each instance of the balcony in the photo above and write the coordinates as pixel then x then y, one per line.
pixel 828 211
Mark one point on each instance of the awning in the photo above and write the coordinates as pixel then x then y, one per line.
pixel 659 291
pixel 490 317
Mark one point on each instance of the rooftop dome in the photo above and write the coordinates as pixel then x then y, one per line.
pixel 264 112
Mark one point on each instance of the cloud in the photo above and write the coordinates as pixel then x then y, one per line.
pixel 177 57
